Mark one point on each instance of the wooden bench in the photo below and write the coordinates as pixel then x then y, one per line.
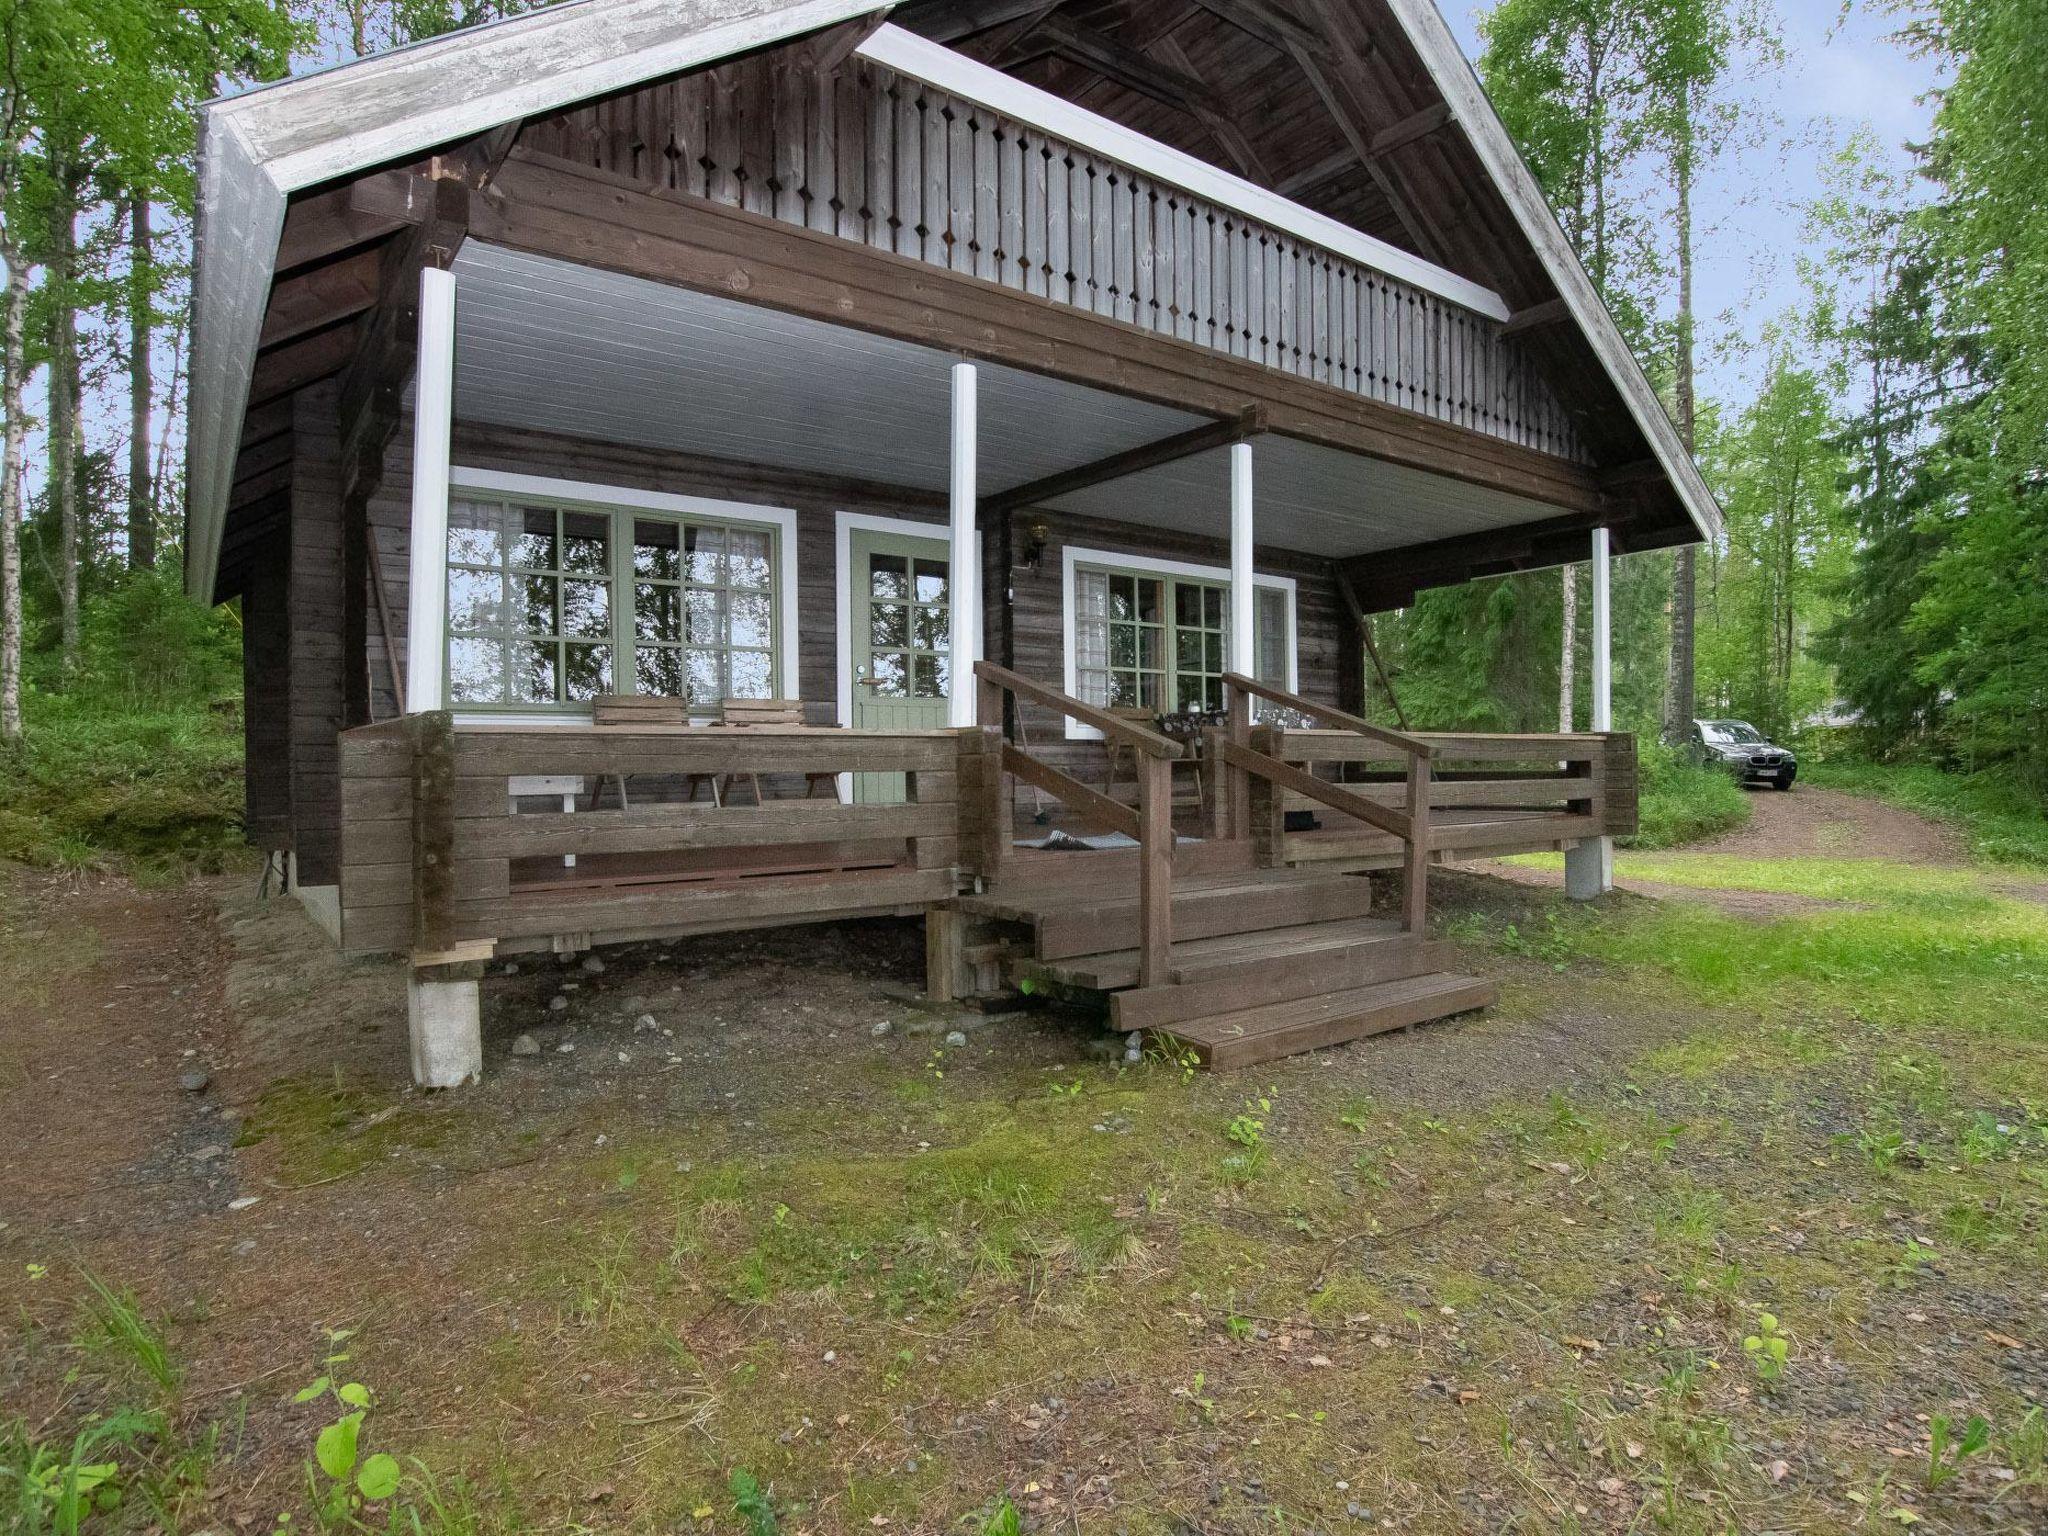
pixel 627 711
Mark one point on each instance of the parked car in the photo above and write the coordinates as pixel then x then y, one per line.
pixel 1744 751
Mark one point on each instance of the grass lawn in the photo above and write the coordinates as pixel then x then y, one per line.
pixel 1715 1224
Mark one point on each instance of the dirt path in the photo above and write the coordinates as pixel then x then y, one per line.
pixel 1812 823
pixel 1808 823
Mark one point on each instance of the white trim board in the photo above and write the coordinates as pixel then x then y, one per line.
pixel 896 48
pixel 1218 575
pixel 782 519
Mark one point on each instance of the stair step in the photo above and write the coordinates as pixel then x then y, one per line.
pixel 1252 980
pixel 1247 1036
pixel 1196 959
pixel 1204 911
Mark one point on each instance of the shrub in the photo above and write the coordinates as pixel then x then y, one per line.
pixel 1681 802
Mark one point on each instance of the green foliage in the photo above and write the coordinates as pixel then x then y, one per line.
pixel 1681 802
pixel 117 1323
pixel 752 1504
pixel 1769 1349
pixel 47 1490
pixel 352 1479
pixel 138 758
pixel 1947 1451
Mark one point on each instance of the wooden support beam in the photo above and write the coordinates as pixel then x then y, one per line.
pixel 1417 125
pixel 1537 317
pixel 950 21
pixel 320 226
pixel 1270 25
pixel 1327 169
pixel 1126 66
pixel 1168 450
pixel 1223 128
pixel 1362 621
pixel 826 49
pixel 1345 100
pixel 315 299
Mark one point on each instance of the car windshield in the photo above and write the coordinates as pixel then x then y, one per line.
pixel 1736 732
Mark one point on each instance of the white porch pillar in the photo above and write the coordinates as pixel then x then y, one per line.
pixel 442 1008
pixel 1589 868
pixel 426 608
pixel 1242 609
pixel 964 609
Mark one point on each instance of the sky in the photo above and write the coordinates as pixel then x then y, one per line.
pixel 1841 74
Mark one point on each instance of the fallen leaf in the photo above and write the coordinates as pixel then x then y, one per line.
pixel 702 1512
pixel 1778 1470
pixel 878 1520
pixel 1467 1395
pixel 1613 1487
pixel 1584 1346
pixel 1319 1360
pixel 1634 1449
pixel 2004 1339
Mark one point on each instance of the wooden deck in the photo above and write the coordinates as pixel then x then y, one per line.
pixel 1246 933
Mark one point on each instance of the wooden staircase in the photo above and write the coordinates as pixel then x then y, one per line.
pixel 1264 962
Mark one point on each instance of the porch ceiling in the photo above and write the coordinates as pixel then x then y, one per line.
pixel 559 347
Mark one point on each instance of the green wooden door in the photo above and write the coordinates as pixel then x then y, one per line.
pixel 897 597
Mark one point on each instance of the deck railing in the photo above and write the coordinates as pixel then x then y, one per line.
pixel 1150 824
pixel 1489 794
pixel 455 837
pixel 1242 761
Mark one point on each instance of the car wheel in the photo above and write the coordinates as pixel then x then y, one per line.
pixel 1781 783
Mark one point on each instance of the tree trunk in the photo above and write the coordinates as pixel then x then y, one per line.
pixel 63 466
pixel 1567 661
pixel 141 487
pixel 1678 690
pixel 11 375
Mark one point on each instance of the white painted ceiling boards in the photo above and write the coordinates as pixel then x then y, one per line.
pixel 563 348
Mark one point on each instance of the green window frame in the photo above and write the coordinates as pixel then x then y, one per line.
pixel 552 602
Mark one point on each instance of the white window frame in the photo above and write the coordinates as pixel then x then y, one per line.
pixel 1147 565
pixel 628 498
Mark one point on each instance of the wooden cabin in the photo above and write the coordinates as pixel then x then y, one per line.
pixel 694 465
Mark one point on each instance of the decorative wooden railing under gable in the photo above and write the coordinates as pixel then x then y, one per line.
pixel 876 157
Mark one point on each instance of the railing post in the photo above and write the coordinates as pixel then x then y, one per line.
pixel 1415 864
pixel 1155 871
pixel 1239 725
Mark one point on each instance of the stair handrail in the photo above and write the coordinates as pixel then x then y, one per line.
pixel 1336 719
pixel 1152 826
pixel 1413 828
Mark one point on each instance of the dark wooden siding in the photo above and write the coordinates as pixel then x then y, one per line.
pixel 315 603
pixel 874 157
pixel 266 698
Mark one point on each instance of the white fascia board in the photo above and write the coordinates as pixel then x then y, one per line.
pixel 1473 111
pixel 909 54
pixel 259 147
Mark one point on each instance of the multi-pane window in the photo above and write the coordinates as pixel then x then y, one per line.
pixel 1161 642
pixel 529 604
pixel 907 626
pixel 542 601
pixel 703 610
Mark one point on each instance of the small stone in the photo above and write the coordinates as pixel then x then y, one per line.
pixel 566 1047
pixel 206 1154
pixel 955 1038
pixel 831 1355
pixel 242 1202
pixel 195 1081
pixel 1135 1040
pixel 246 1247
pixel 880 1028
pixel 646 1024
pixel 1133 1055
pixel 511 968
pixel 593 965
pixel 558 1003
pixel 525 1045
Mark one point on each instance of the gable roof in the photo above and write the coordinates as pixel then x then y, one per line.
pixel 260 147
